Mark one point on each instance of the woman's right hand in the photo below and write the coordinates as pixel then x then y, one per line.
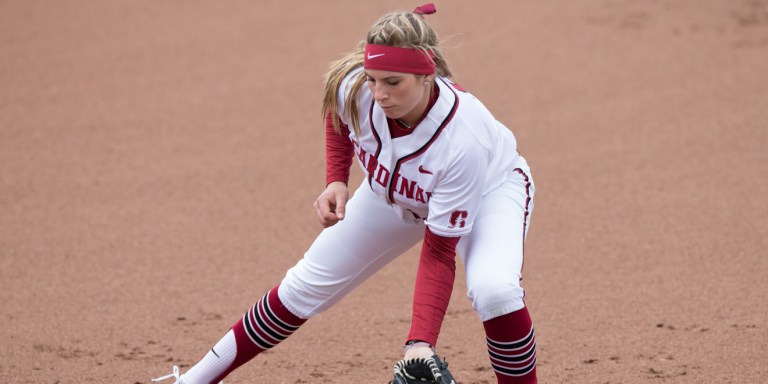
pixel 331 204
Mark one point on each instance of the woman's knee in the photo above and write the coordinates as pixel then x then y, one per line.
pixel 491 298
pixel 301 293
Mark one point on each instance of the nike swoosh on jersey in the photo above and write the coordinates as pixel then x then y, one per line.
pixel 422 170
pixel 375 56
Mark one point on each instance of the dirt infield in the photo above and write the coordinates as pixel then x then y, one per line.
pixel 159 159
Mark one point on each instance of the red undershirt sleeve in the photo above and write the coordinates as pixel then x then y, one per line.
pixel 338 152
pixel 434 283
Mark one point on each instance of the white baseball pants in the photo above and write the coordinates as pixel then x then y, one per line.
pixel 372 234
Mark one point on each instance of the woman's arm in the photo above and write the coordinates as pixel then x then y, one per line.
pixel 434 283
pixel 338 152
pixel 330 206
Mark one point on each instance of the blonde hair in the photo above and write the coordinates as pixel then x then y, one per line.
pixel 396 29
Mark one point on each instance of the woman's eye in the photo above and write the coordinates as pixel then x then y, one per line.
pixel 388 82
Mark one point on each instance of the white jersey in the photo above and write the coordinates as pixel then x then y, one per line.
pixel 440 172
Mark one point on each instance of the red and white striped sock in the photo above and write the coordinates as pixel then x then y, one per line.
pixel 512 347
pixel 265 325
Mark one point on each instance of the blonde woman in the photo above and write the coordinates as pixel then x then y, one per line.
pixel 438 168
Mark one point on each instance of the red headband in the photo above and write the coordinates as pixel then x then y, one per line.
pixel 398 59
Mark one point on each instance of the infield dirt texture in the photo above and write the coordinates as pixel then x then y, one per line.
pixel 159 160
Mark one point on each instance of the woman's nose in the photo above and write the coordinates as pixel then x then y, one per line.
pixel 379 93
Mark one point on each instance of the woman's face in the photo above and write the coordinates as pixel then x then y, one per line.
pixel 401 95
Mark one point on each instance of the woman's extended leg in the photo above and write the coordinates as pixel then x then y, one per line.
pixel 342 257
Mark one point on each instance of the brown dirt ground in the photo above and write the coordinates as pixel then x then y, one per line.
pixel 159 159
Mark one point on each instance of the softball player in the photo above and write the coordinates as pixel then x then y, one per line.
pixel 438 168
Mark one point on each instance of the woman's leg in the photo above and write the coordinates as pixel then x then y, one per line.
pixel 342 257
pixel 493 258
